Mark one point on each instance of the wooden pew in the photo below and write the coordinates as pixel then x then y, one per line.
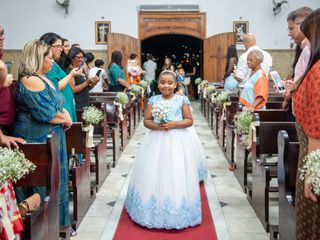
pixel 288 148
pixel 43 223
pixel 100 167
pixel 80 175
pixel 122 124
pixel 242 154
pixel 231 110
pixel 262 171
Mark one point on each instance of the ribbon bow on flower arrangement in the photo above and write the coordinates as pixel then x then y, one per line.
pixel 160 112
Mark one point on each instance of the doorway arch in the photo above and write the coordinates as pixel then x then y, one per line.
pixel 183 50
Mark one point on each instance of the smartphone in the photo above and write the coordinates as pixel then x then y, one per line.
pixel 277 81
pixel 98 73
pixel 82 63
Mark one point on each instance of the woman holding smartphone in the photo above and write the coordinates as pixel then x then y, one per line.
pixel 58 77
pixel 80 85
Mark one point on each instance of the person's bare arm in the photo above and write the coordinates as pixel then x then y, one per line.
pixel 257 101
pixel 8 141
pixel 124 83
pixel 3 73
pixel 64 81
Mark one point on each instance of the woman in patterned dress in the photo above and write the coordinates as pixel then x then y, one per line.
pixel 306 101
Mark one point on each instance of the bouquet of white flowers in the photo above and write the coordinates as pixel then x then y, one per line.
pixel 122 98
pixel 13 165
pixel 160 112
pixel 243 121
pixel 92 115
pixel 311 168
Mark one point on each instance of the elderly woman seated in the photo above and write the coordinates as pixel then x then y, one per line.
pixel 255 92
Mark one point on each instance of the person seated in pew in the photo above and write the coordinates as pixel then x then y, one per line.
pixel 40 112
pixel 58 77
pixel 306 102
pixel 255 91
pixel 80 84
pixel 117 79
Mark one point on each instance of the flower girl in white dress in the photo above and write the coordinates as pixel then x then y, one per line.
pixel 164 188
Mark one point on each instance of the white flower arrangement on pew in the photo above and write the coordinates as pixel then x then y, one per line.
pixel 160 112
pixel 243 121
pixel 13 165
pixel 144 84
pixel 211 89
pixel 221 98
pixel 120 102
pixel 91 116
pixel 197 81
pixel 311 168
pixel 136 91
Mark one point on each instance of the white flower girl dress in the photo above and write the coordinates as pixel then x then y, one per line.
pixel 164 186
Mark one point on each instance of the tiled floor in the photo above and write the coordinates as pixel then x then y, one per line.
pixel 233 216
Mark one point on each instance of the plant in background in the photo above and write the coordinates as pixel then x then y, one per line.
pixel 311 169
pixel 243 121
pixel 13 165
pixel 92 115
pixel 160 112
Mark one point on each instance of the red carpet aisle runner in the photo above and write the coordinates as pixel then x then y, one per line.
pixel 128 230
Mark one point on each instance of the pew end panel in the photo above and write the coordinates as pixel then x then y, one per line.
pixel 43 223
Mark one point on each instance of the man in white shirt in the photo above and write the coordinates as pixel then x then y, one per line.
pixel 242 73
pixel 99 72
pixel 150 68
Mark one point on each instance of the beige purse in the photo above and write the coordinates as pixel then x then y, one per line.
pixel 30 204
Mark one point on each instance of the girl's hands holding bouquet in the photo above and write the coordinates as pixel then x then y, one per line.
pixel 167 126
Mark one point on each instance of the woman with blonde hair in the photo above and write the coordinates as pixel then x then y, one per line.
pixel 40 111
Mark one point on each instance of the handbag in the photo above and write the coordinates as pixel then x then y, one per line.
pixel 74 160
pixel 30 204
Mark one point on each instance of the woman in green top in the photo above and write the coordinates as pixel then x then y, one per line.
pixel 116 74
pixel 58 77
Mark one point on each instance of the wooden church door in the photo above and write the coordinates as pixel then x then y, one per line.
pixel 215 55
pixel 123 43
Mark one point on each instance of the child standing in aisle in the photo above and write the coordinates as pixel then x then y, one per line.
pixel 164 187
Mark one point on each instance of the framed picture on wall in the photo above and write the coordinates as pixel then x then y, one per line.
pixel 102 30
pixel 240 28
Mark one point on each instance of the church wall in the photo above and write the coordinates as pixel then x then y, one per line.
pixel 27 20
